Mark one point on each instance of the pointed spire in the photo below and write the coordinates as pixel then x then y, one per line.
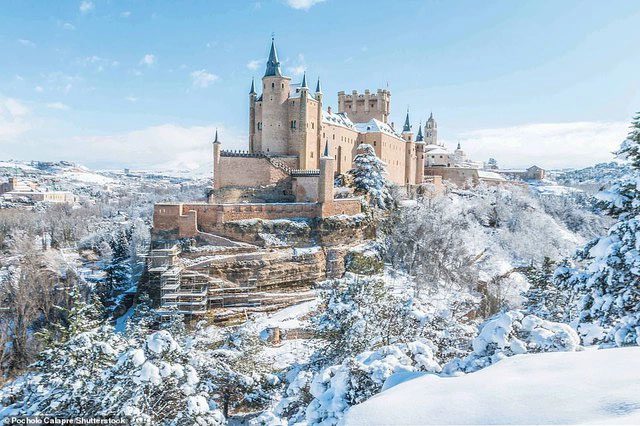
pixel 407 125
pixel 458 145
pixel 431 116
pixel 420 138
pixel 318 88
pixel 253 88
pixel 326 150
pixel 304 81
pixel 273 65
pixel 215 140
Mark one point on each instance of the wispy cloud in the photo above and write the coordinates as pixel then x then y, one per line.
pixel 13 123
pixel 253 64
pixel 299 67
pixel 549 145
pixel 58 105
pixel 25 42
pixel 131 99
pixel 86 6
pixel 125 14
pixel 302 4
pixel 202 78
pixel 39 89
pixel 148 60
pixel 67 26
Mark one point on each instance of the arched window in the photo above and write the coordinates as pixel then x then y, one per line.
pixel 273 85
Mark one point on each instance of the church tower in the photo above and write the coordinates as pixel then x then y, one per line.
pixel 275 114
pixel 409 152
pixel 431 131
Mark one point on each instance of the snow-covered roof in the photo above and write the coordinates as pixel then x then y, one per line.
pixel 438 150
pixel 483 174
pixel 432 146
pixel 376 126
pixel 337 119
pixel 295 92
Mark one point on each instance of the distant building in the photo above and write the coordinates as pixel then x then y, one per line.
pixel 14 189
pixel 532 173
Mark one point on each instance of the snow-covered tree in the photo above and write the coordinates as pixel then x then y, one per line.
pixel 369 176
pixel 65 381
pixel 153 382
pixel 232 371
pixel 607 278
pixel 544 298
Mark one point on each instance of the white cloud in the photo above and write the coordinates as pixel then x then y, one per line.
pixel 202 78
pixel 68 26
pixel 39 89
pixel 254 64
pixel 131 99
pixel 168 147
pixel 303 4
pixel 86 6
pixel 13 123
pixel 125 14
pixel 25 42
pixel 58 105
pixel 549 145
pixel 148 60
pixel 298 70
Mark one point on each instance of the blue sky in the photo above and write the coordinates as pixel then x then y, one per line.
pixel 143 84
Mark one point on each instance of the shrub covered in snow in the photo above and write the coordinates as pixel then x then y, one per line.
pixel 336 388
pixel 512 333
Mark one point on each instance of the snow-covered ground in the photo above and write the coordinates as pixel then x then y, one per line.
pixel 592 386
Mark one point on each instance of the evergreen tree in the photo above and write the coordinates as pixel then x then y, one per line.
pixel 118 271
pixel 368 176
pixel 544 298
pixel 607 280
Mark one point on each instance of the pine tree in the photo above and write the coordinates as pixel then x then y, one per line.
pixel 544 298
pixel 368 176
pixel 607 280
pixel 119 268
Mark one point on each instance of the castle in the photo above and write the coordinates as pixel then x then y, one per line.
pixel 289 128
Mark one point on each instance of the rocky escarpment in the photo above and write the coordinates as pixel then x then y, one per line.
pixel 329 231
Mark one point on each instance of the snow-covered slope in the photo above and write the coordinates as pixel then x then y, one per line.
pixel 593 386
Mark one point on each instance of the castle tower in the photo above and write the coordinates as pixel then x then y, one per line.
pixel 325 183
pixel 301 141
pixel 216 161
pixel 361 108
pixel 407 135
pixel 409 150
pixel 275 115
pixel 419 156
pixel 431 131
pixel 318 95
pixel 252 117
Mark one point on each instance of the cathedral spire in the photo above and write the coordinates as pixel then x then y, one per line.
pixel 458 145
pixel 304 81
pixel 419 137
pixel 253 88
pixel 318 88
pixel 215 140
pixel 431 116
pixel 407 125
pixel 273 65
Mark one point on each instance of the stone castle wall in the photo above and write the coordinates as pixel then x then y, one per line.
pixel 251 170
pixel 183 220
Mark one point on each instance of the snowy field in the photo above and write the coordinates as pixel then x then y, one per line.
pixel 588 387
